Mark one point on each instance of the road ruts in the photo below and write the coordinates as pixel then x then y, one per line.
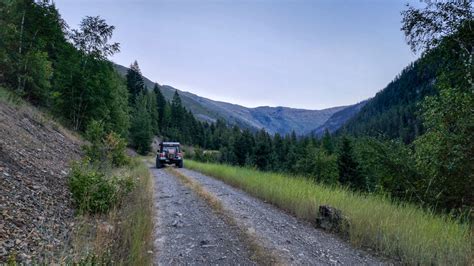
pixel 297 242
pixel 188 231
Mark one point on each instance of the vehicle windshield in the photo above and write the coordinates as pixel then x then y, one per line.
pixel 171 150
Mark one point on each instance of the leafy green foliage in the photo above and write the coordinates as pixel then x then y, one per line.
pixel 95 192
pixel 444 154
pixel 105 148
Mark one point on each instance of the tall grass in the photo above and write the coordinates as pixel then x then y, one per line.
pixel 124 234
pixel 10 97
pixel 400 231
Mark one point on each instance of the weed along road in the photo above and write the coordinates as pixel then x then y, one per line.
pixel 201 220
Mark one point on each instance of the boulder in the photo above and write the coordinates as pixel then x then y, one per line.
pixel 331 219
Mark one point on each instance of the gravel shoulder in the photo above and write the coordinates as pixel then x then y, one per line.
pixel 296 242
pixel 188 231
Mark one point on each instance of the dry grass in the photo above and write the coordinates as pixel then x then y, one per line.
pixel 400 231
pixel 123 235
pixel 260 255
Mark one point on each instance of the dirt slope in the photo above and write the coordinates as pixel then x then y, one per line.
pixel 35 204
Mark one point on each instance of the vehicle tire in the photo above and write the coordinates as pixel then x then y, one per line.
pixel 158 164
pixel 180 164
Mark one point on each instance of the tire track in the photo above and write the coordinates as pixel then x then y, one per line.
pixel 295 241
pixel 188 230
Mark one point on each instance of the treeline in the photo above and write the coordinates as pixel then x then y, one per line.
pixel 153 115
pixel 365 164
pixel 65 71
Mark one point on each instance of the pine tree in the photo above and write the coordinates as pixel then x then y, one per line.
pixel 349 173
pixel 141 130
pixel 263 150
pixel 166 122
pixel 160 104
pixel 326 142
pixel 243 147
pixel 279 153
pixel 153 111
pixel 176 110
pixel 135 83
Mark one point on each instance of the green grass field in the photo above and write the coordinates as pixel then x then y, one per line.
pixel 399 231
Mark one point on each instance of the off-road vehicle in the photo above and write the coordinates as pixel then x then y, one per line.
pixel 169 153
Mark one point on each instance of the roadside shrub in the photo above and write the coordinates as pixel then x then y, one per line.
pixel 205 155
pixel 105 148
pixel 95 192
pixel 115 147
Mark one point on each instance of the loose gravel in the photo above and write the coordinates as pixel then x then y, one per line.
pixel 188 231
pixel 296 241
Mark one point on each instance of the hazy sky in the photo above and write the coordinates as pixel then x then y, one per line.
pixel 307 54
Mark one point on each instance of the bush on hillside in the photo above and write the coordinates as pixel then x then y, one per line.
pixel 105 147
pixel 115 147
pixel 95 192
pixel 205 156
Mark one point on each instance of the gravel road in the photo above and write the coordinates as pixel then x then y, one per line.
pixel 188 231
pixel 294 242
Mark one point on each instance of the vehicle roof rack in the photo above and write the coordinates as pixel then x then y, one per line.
pixel 169 143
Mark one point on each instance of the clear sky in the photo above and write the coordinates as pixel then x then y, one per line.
pixel 306 54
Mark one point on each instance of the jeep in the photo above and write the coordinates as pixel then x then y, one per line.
pixel 169 153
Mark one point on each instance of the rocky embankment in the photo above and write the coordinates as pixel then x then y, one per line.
pixel 36 215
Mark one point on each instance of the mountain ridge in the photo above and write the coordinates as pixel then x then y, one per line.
pixel 280 119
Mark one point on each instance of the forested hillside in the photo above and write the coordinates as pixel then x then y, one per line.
pixel 394 111
pixel 338 119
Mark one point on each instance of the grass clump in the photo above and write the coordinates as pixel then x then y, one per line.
pixel 401 231
pixel 10 97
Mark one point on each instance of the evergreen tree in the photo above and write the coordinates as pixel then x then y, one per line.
pixel 279 153
pixel 135 83
pixel 141 130
pixel 263 150
pixel 166 122
pixel 327 143
pixel 153 111
pixel 348 167
pixel 160 104
pixel 177 112
pixel 243 147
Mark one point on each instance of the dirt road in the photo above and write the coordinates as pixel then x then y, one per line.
pixel 190 231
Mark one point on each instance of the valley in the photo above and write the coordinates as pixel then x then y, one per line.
pixel 100 165
pixel 281 120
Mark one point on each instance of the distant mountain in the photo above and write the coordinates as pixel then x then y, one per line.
pixel 281 120
pixel 338 119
